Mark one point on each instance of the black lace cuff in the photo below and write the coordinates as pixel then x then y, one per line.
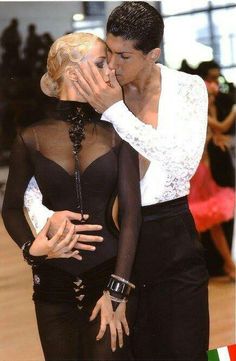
pixel 31 260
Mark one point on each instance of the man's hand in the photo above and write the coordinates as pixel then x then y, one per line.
pixel 59 217
pixel 95 90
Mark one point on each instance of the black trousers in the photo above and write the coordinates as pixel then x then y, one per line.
pixel 65 331
pixel 172 320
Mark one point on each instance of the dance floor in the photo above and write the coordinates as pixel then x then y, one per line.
pixel 19 339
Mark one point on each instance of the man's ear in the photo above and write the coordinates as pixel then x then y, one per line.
pixel 154 54
pixel 70 73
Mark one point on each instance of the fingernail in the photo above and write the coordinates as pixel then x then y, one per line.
pixel 93 248
pixel 113 349
pixel 97 338
pixel 121 346
pixel 86 216
pixel 99 227
pixel 101 239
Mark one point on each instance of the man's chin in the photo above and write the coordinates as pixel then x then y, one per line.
pixel 121 80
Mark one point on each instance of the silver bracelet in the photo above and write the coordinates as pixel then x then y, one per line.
pixel 123 280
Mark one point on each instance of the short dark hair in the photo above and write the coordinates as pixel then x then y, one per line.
pixel 137 20
pixel 205 66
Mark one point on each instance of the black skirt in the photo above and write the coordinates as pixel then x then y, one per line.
pixel 170 272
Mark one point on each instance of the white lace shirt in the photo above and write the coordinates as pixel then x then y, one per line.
pixel 174 148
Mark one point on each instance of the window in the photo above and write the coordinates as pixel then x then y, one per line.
pixel 170 7
pixel 198 31
pixel 187 37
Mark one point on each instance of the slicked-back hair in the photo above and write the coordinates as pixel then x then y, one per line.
pixel 139 21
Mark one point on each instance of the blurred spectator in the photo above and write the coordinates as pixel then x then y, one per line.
pixel 32 49
pixel 211 204
pixel 46 42
pixel 10 42
pixel 222 166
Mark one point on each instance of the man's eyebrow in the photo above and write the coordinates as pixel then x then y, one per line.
pixel 119 52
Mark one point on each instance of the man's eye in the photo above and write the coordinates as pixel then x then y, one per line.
pixel 124 57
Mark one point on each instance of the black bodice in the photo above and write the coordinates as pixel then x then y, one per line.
pixel 107 166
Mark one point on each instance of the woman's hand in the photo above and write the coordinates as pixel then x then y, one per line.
pixel 60 216
pixel 115 320
pixel 121 322
pixel 59 246
pixel 221 140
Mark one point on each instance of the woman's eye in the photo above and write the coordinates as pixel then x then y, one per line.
pixel 100 65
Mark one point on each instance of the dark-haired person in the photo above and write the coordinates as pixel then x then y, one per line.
pixel 222 166
pixel 163 116
pixel 80 164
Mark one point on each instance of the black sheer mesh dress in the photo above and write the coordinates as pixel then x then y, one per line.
pixel 85 178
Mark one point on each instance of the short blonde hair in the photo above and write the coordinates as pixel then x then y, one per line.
pixel 68 49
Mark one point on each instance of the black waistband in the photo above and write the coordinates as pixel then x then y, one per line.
pixel 165 209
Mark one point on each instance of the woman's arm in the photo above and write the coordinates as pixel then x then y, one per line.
pixel 129 199
pixel 20 172
pixel 225 124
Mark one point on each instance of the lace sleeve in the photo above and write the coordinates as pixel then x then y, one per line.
pixel 37 212
pixel 182 136
pixel 129 209
pixel 20 172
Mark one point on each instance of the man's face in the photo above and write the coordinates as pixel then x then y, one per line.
pixel 127 61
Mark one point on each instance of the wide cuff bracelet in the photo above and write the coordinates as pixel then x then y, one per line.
pixel 119 286
pixel 31 260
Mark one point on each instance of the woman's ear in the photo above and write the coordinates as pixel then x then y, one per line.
pixel 70 73
pixel 154 54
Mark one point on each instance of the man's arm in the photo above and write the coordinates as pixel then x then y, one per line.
pixel 39 215
pixel 37 212
pixel 188 135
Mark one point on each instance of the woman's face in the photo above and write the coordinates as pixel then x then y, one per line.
pixel 97 54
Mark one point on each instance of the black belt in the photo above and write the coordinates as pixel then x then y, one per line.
pixel 165 209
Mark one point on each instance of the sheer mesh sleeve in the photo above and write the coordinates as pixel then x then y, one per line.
pixel 37 212
pixel 20 172
pixel 129 209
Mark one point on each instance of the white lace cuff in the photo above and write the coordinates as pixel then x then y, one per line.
pixel 37 212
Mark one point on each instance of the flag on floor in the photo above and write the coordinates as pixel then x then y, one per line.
pixel 227 353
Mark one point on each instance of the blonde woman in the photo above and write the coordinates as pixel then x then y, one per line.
pixel 80 164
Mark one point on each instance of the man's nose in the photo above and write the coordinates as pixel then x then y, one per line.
pixel 112 62
pixel 106 73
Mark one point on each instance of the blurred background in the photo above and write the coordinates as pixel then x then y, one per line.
pixel 199 38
